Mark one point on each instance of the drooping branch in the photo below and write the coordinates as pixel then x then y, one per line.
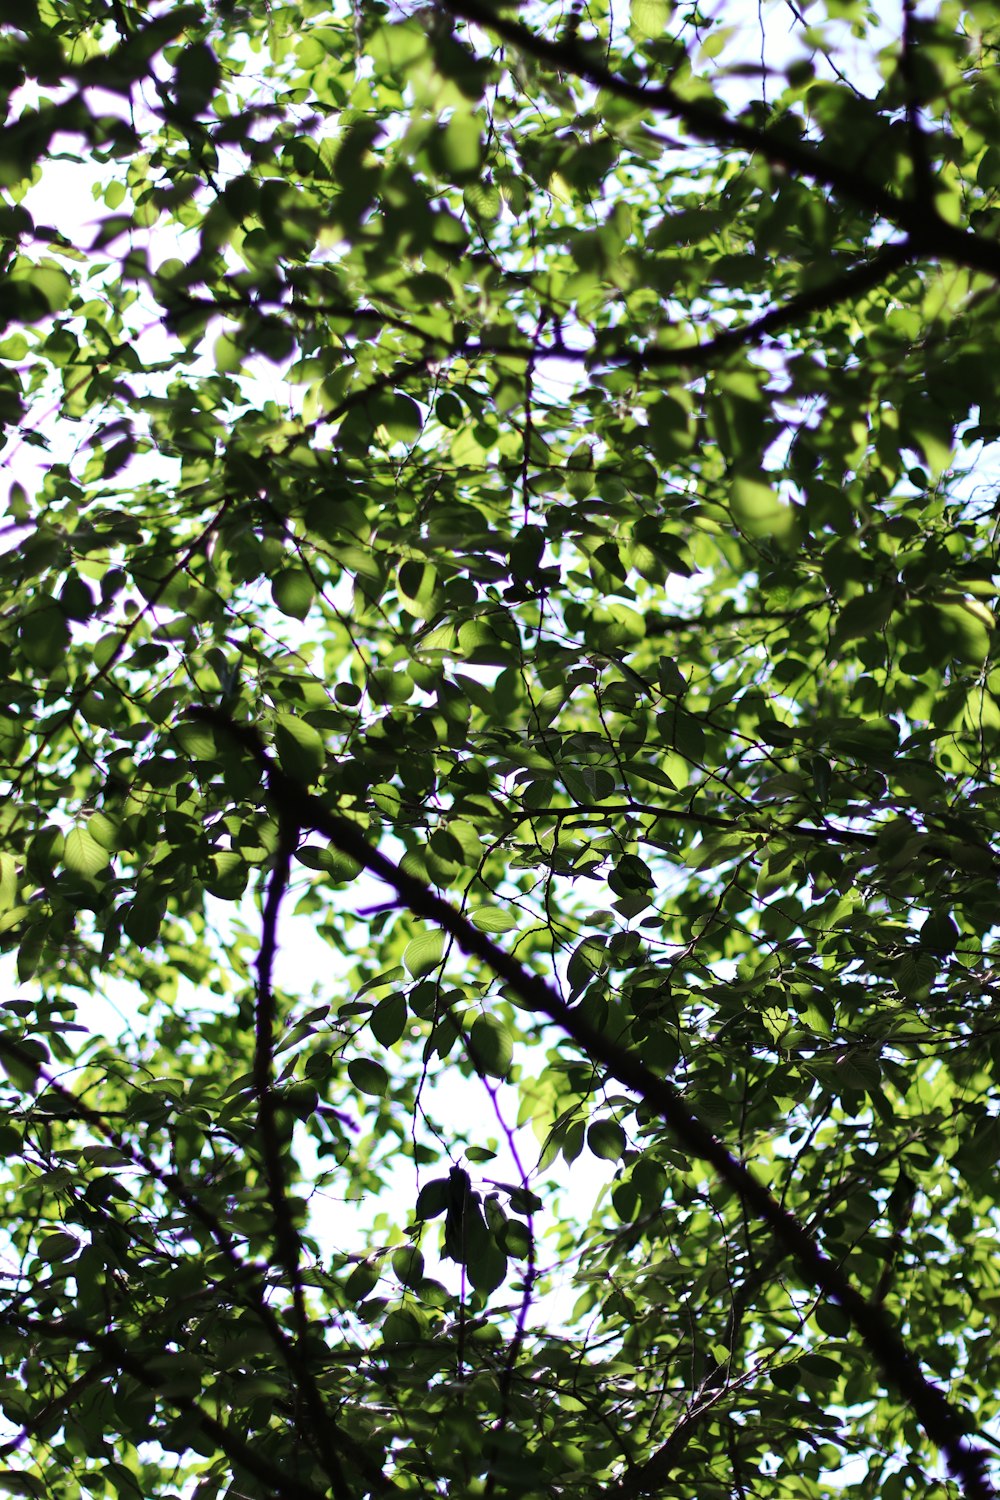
pixel 704 121
pixel 851 283
pixel 946 1425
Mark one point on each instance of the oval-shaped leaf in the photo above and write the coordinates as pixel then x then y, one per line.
pixel 489 919
pixel 58 1246
pixel 299 747
pixel 388 1020
pixel 83 855
pixel 606 1139
pixel 491 1046
pixel 424 953
pixel 408 1265
pixel 293 592
pixel 368 1076
pixel 433 1198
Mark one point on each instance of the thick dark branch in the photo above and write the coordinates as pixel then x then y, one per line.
pixel 947 1426
pixel 923 181
pixel 287 1243
pixel 849 284
pixel 929 235
pixel 706 122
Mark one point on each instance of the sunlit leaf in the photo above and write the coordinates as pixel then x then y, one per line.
pixel 424 953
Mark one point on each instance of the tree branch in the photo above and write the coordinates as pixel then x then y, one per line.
pixel 286 1236
pixel 708 820
pixel 852 282
pixel 929 234
pixel 287 1244
pixel 947 1426
pixel 706 122
pixel 923 180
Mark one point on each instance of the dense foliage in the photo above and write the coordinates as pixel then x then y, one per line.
pixel 513 488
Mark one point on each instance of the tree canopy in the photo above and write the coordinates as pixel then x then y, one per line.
pixel 512 489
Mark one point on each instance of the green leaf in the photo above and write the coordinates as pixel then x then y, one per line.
pixel 300 750
pixel 433 1199
pixel 58 1247
pixel 487 1267
pixel 388 1020
pixel 864 616
pixel 292 591
pixel 964 629
pixel 8 882
pixel 400 416
pixel 124 1481
pixel 488 919
pixel 418 589
pixel 83 854
pixel 939 934
pixel 362 1280
pixel 457 149
pixel 196 77
pixel 45 638
pixel 424 953
pixel 606 1139
pixel 491 1046
pixel 49 286
pixel 648 18
pixel 408 1266
pixel 368 1076
pixel 759 513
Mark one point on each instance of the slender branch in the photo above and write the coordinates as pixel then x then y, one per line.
pixel 287 1243
pixel 851 283
pixel 286 1237
pixel 947 1426
pixel 706 820
pixel 527 1294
